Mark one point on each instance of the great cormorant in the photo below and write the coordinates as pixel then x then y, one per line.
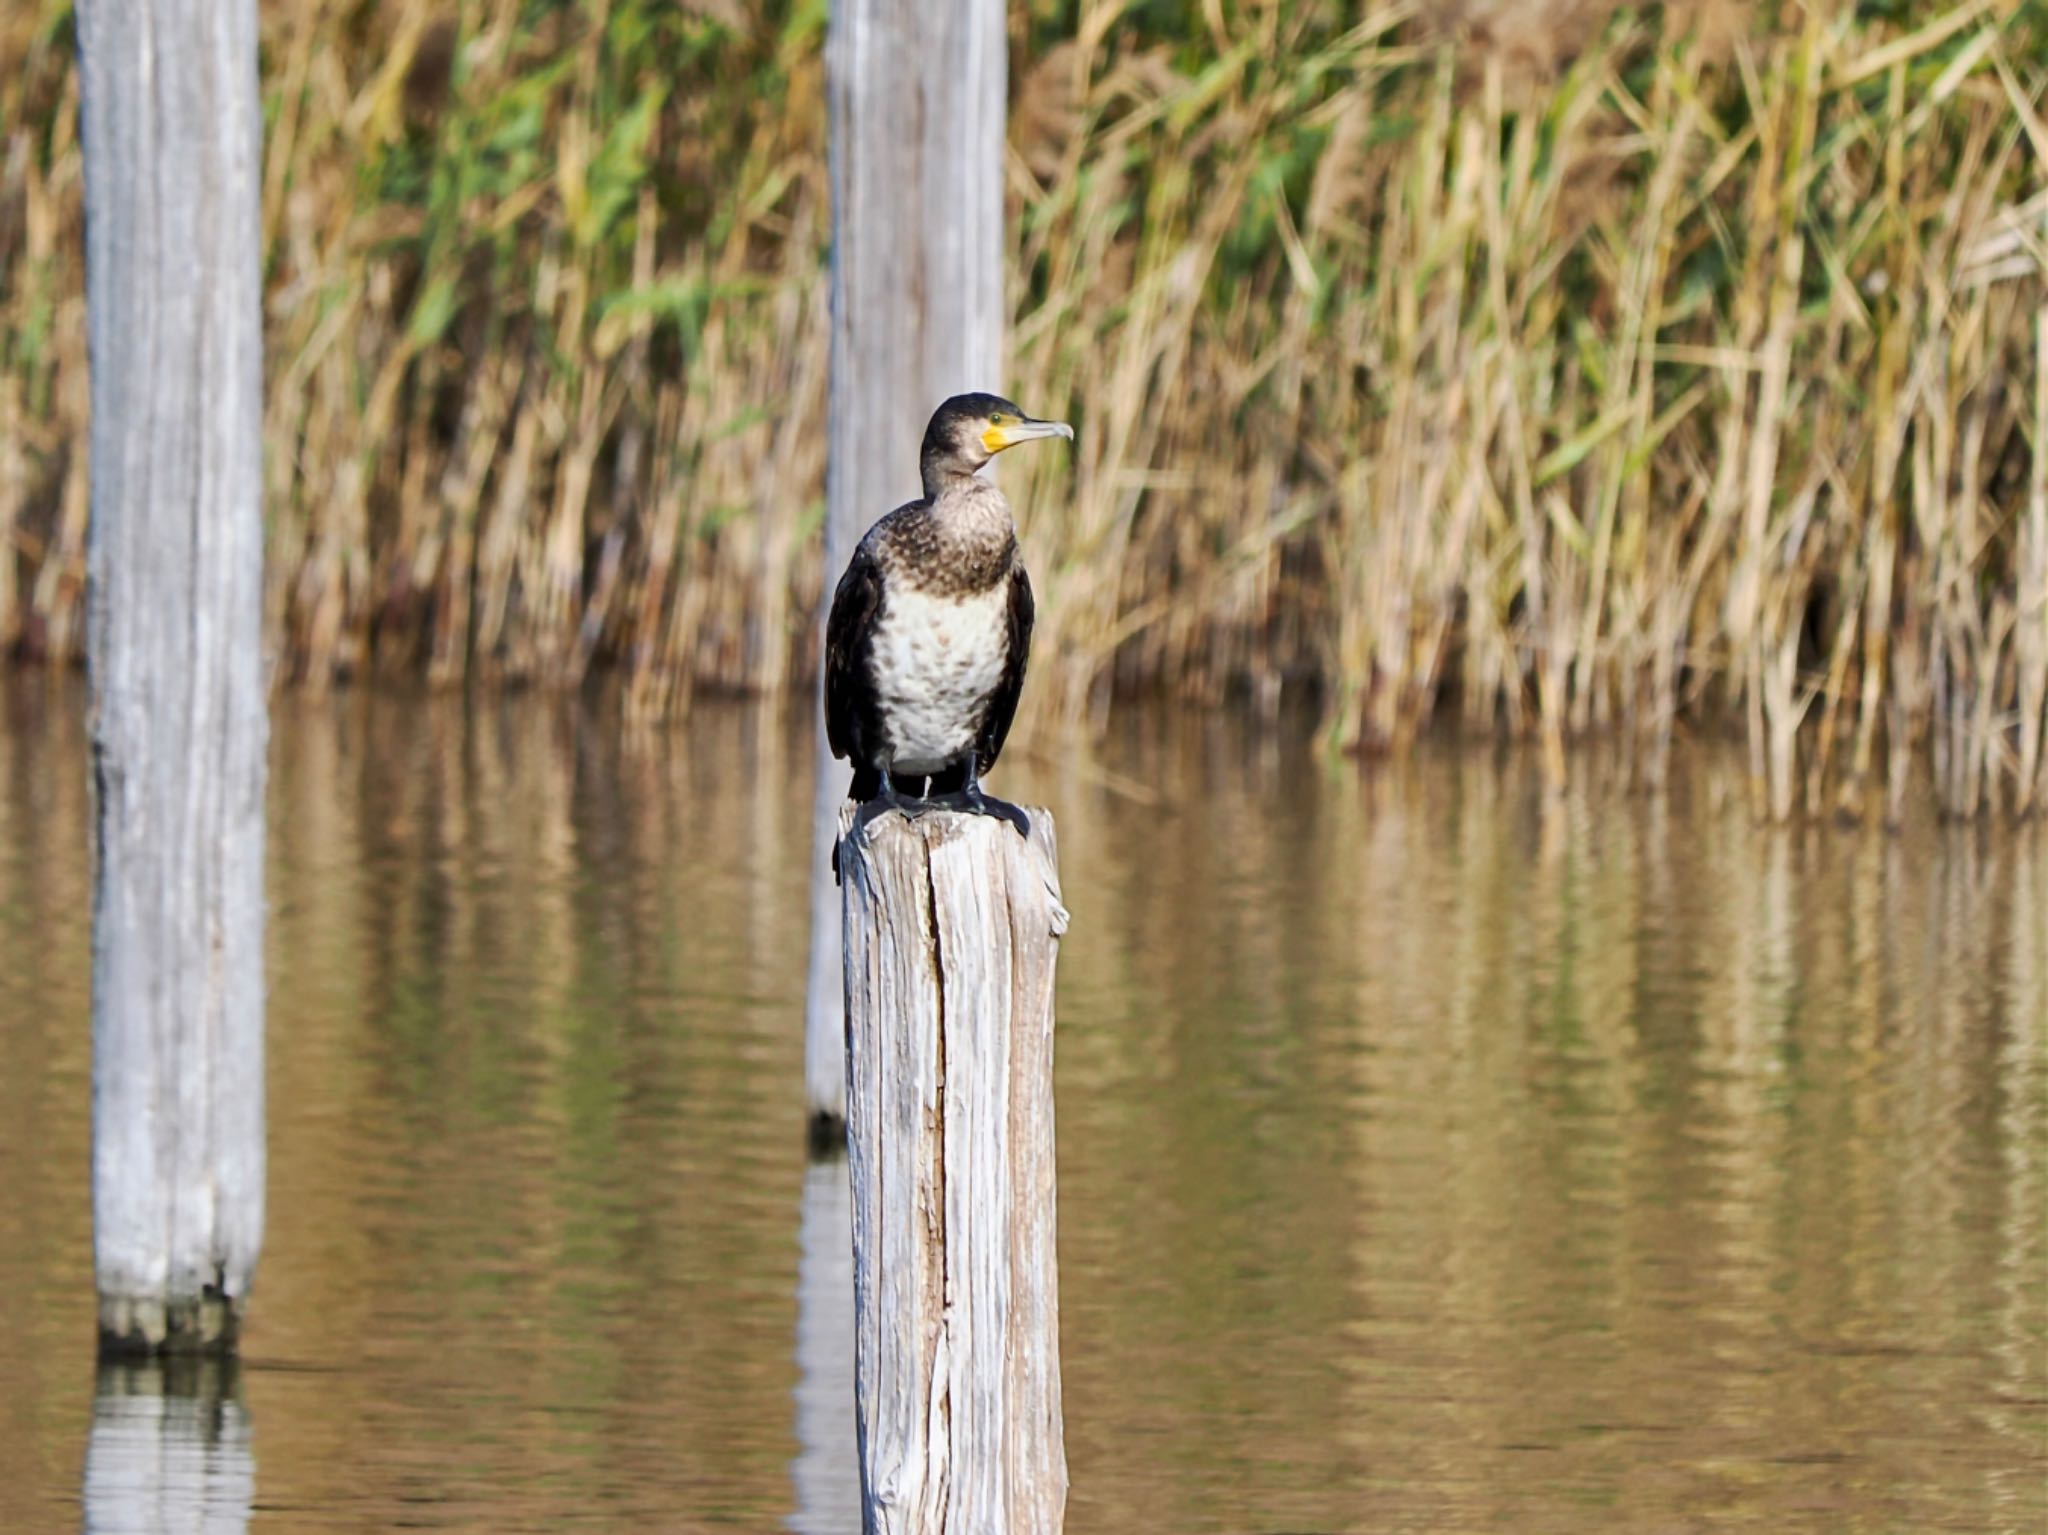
pixel 931 627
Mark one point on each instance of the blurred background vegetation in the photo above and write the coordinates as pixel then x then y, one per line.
pixel 1551 368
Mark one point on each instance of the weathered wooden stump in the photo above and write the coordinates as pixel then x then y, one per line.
pixel 951 927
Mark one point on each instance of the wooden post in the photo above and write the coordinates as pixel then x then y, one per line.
pixel 951 927
pixel 173 158
pixel 918 101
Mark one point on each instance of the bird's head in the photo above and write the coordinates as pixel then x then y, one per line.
pixel 970 429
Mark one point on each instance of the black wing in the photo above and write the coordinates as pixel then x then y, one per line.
pixel 1002 706
pixel 849 631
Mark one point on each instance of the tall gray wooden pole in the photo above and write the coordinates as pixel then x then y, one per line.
pixel 918 106
pixel 172 134
pixel 952 926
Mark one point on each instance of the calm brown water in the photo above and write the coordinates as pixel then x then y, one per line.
pixel 1430 1158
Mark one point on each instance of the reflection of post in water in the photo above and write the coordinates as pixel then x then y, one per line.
pixel 826 1471
pixel 169 1448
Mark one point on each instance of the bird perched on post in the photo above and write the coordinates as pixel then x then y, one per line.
pixel 931 627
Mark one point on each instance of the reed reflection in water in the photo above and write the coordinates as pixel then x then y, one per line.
pixel 1433 1155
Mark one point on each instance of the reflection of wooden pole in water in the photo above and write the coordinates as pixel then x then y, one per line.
pixel 951 928
pixel 169 1449
pixel 173 157
pixel 826 1471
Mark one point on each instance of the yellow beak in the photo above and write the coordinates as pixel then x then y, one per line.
pixel 997 438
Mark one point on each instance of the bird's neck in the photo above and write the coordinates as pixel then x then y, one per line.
pixel 944 472
pixel 967 540
pixel 969 509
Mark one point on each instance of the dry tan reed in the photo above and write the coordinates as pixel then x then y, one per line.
pixel 1561 378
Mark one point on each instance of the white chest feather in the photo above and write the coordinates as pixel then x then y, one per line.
pixel 936 662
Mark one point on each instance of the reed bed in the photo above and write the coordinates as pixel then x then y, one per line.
pixel 1546 370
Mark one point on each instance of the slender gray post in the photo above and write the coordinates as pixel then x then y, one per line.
pixel 172 135
pixel 951 928
pixel 918 104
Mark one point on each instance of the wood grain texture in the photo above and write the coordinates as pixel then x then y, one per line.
pixel 172 138
pixel 951 932
pixel 918 105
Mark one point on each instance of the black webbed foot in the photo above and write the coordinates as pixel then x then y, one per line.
pixel 978 803
pixel 887 799
pixel 871 811
pixel 969 798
